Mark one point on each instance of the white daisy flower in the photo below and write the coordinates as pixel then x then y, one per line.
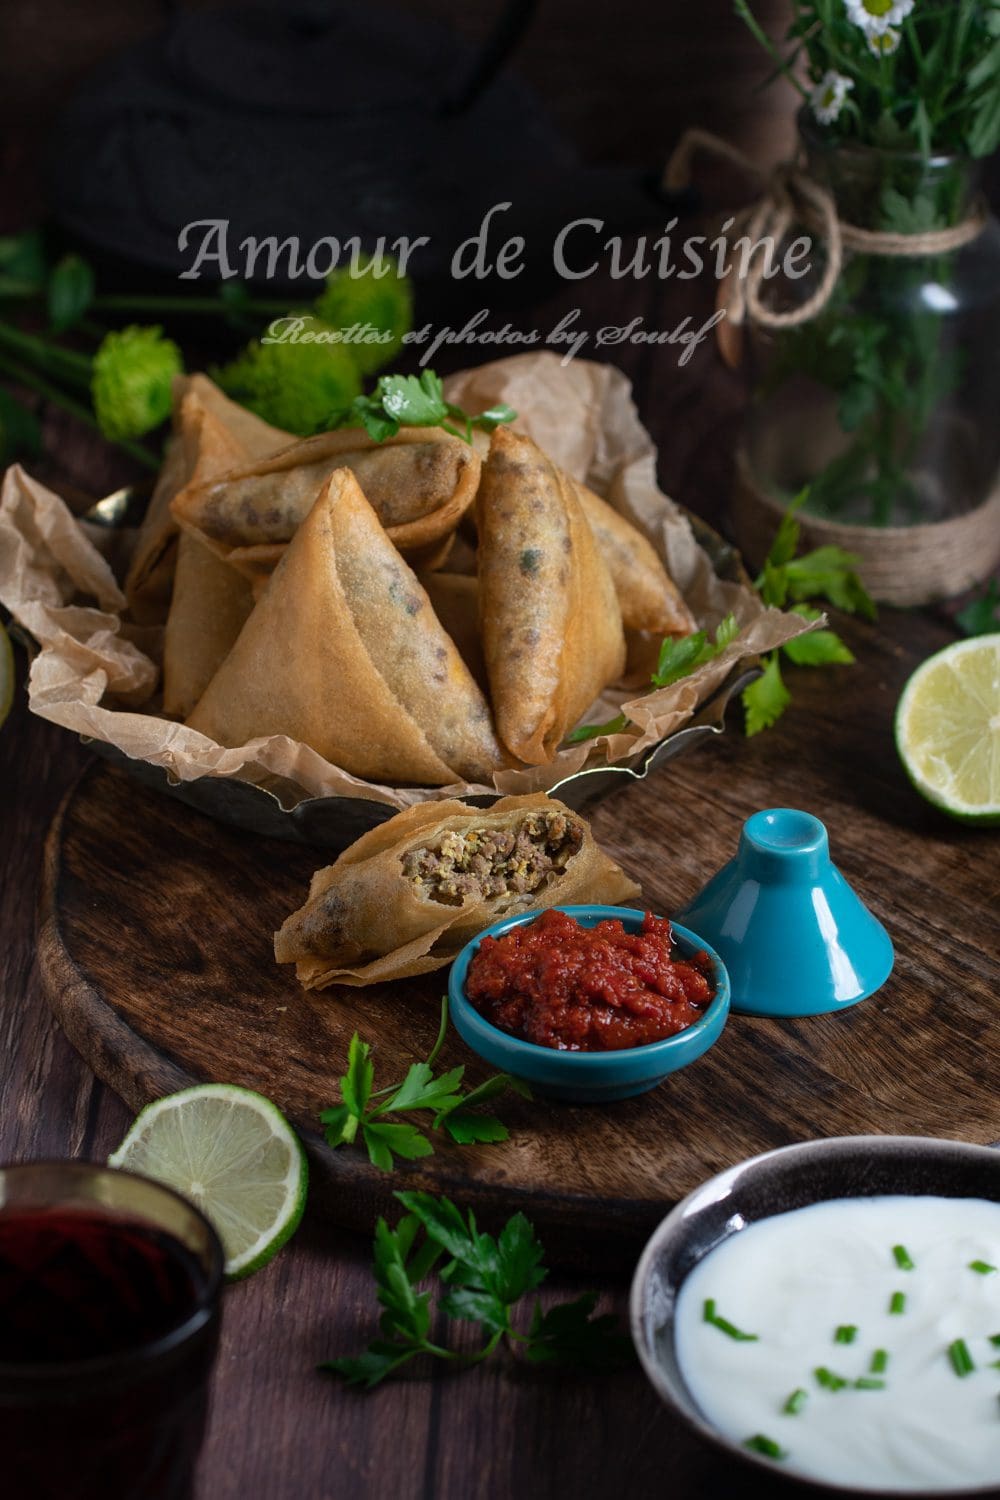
pixel 875 17
pixel 884 44
pixel 828 96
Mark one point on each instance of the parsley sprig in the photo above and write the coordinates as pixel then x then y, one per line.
pixel 415 401
pixel 787 580
pixel 368 1111
pixel 482 1279
pixel 678 658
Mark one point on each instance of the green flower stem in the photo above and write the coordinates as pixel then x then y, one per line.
pixel 125 303
pixel 66 362
pixel 34 382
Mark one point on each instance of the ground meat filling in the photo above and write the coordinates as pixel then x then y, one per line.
pixel 486 862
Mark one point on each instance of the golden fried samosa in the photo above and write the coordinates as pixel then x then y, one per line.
pixel 344 652
pixel 455 600
pixel 419 482
pixel 648 596
pixel 208 609
pixel 408 895
pixel 192 456
pixel 550 618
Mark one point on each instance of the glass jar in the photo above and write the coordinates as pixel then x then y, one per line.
pixel 885 403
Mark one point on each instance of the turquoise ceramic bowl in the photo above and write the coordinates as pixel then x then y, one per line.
pixel 588 1077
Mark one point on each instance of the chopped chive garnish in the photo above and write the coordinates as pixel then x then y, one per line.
pixel 897 1302
pixel 981 1267
pixel 795 1402
pixel 995 1364
pixel 902 1258
pixel 759 1443
pixel 880 1362
pixel 865 1383
pixel 995 1339
pixel 846 1334
pixel 828 1380
pixel 724 1325
pixel 961 1359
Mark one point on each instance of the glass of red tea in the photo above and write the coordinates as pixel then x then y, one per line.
pixel 109 1322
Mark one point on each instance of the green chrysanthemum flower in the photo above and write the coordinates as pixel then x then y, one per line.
pixel 299 386
pixel 130 385
pixel 383 302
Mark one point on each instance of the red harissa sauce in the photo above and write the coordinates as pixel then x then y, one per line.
pixel 588 989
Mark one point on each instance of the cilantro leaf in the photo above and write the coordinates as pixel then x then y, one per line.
pixel 617 725
pixel 371 1368
pixel 467 1129
pixel 569 1334
pixel 415 401
pixel 766 699
pixel 829 573
pixel 384 1140
pixel 365 1110
pixel 819 647
pixel 982 615
pixel 337 1122
pixel 678 658
pixel 356 1085
pixel 519 1260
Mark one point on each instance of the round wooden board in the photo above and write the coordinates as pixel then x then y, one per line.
pixel 155 951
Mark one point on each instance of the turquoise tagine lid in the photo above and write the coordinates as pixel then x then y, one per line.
pixel 793 935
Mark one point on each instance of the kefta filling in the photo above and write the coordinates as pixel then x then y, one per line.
pixel 482 863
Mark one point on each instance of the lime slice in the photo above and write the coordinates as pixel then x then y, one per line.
pixel 233 1154
pixel 948 729
pixel 6 674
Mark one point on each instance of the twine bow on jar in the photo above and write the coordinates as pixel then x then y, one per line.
pixel 790 196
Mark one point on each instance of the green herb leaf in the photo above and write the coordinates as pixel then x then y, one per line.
pixel 897 1303
pixel 678 658
pixel 384 1141
pixel 356 1085
pixel 766 699
pixel 484 1279
pixel 570 1334
pixel 866 1383
pixel 982 1268
pixel 795 1402
pixel 901 1256
pixel 366 1110
pixel 818 648
pixel 880 1362
pixel 467 1129
pixel 961 1360
pixel 982 615
pixel 828 1380
pixel 414 401
pixel 845 1334
pixel 617 725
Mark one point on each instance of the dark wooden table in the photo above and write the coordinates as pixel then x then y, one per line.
pixel 280 1431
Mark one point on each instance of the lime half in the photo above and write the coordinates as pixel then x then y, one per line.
pixel 6 674
pixel 233 1154
pixel 948 729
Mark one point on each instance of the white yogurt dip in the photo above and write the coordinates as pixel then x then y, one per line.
pixel 795 1279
